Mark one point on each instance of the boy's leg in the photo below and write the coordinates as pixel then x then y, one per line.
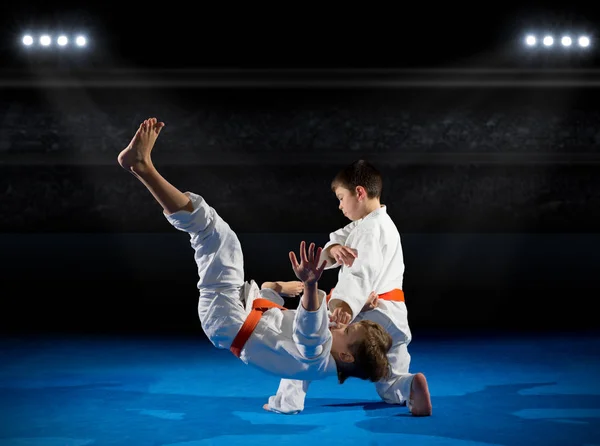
pixel 136 159
pixel 419 403
pixel 218 253
pixel 219 258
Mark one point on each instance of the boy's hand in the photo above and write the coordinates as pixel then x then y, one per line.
pixel 342 314
pixel 308 271
pixel 343 255
pixel 372 302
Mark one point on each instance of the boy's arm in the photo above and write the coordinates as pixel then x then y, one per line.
pixel 355 283
pixel 338 237
pixel 275 286
pixel 311 323
pixel 287 289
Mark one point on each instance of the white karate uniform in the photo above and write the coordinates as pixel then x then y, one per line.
pixel 378 267
pixel 286 343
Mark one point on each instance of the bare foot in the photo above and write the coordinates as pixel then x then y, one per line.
pixel 291 289
pixel 420 400
pixel 135 158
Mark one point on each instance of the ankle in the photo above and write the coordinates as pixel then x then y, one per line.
pixel 142 167
pixel 144 170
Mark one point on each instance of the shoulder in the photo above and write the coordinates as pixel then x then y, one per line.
pixel 386 222
pixel 369 231
pixel 375 222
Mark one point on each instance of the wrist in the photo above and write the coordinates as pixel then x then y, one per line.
pixel 330 248
pixel 345 307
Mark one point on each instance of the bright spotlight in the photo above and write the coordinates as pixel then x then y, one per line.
pixel 27 40
pixel 566 41
pixel 584 41
pixel 45 40
pixel 548 40
pixel 80 41
pixel 530 40
pixel 62 40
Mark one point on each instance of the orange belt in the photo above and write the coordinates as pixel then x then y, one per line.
pixel 259 306
pixel 396 295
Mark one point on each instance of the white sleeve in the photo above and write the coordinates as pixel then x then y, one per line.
pixel 356 282
pixel 338 237
pixel 311 329
pixel 290 397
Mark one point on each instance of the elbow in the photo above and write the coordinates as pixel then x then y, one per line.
pixel 312 353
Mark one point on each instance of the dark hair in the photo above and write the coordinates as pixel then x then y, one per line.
pixel 370 354
pixel 359 173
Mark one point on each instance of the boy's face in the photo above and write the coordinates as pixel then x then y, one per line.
pixel 349 203
pixel 344 336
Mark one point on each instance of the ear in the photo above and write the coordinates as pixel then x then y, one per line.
pixel 361 193
pixel 346 357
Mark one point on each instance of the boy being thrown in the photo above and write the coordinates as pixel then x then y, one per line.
pixel 235 314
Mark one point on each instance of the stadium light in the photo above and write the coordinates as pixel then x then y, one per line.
pixel 45 40
pixel 584 41
pixel 566 40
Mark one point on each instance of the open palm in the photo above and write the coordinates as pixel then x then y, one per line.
pixel 308 270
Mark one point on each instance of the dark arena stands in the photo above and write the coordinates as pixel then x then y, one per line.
pixel 454 160
pixel 481 169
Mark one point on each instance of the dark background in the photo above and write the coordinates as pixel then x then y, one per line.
pixel 490 170
pixel 307 34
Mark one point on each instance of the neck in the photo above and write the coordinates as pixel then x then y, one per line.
pixel 370 206
pixel 343 369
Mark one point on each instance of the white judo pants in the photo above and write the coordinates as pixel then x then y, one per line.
pixel 220 262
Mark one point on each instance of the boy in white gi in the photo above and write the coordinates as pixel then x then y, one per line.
pixel 235 314
pixel 369 253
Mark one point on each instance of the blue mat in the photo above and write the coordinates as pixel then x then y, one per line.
pixel 486 390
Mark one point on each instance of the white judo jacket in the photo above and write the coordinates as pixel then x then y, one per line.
pixel 378 267
pixel 286 343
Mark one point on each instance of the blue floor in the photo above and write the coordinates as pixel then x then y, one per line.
pixel 486 390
